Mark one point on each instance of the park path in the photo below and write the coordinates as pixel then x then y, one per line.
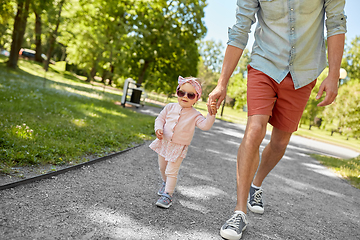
pixel 114 199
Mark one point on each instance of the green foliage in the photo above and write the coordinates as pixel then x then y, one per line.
pixel 208 79
pixel 352 63
pixel 61 120
pixel 238 84
pixel 166 37
pixel 212 55
pixel 312 110
pixel 7 10
pixel 344 113
pixel 209 66
pixel 237 90
pixel 347 168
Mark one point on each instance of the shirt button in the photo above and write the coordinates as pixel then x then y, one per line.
pixel 292 9
pixel 293 47
pixel 292 28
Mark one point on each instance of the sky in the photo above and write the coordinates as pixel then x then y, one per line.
pixel 220 14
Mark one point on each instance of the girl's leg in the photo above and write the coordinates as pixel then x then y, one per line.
pixel 162 167
pixel 171 172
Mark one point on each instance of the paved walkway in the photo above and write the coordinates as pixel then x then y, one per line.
pixel 115 199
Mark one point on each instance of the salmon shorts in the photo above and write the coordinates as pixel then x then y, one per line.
pixel 281 102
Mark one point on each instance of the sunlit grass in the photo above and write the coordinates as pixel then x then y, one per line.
pixel 62 121
pixel 347 168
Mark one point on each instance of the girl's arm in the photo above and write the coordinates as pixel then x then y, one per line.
pixel 204 123
pixel 160 120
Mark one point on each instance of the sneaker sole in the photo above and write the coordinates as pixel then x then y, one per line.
pixel 162 205
pixel 224 234
pixel 255 209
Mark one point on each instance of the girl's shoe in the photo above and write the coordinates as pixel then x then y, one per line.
pixel 162 189
pixel 164 201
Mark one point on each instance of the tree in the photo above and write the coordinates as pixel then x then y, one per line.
pixel 352 60
pixel 97 36
pixel 166 34
pixel 38 6
pixel 237 87
pixel 53 34
pixel 209 66
pixel 18 31
pixel 6 15
pixel 344 113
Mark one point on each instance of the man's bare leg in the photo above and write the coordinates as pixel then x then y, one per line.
pixel 272 154
pixel 248 157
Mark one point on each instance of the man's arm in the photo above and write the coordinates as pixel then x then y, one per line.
pixel 231 59
pixel 330 84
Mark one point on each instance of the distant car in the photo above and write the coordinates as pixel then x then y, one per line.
pixel 4 52
pixel 30 54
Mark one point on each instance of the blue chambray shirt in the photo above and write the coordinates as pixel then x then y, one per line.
pixel 289 35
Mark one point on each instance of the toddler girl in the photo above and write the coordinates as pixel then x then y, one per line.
pixel 174 129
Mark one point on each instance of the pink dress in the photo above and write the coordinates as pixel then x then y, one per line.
pixel 169 150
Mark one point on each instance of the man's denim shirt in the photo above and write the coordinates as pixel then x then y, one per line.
pixel 289 35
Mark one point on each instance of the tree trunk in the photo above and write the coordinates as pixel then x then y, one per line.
pixel 52 38
pixel 92 72
pixel 112 69
pixel 38 49
pixel 18 32
pixel 142 73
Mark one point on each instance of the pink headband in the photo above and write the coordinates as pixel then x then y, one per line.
pixel 193 82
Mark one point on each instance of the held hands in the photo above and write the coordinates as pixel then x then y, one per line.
pixel 215 99
pixel 159 134
pixel 212 108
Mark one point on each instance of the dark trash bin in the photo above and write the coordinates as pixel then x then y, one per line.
pixel 136 96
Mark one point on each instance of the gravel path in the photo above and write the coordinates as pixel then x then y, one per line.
pixel 115 198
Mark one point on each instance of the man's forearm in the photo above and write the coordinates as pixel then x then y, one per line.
pixel 335 53
pixel 231 59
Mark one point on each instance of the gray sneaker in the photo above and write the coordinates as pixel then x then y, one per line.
pixel 162 189
pixel 255 203
pixel 164 201
pixel 233 228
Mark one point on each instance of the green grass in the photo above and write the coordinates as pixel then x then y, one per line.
pixel 348 169
pixel 62 120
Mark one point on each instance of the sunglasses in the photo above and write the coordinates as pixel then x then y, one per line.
pixel 182 93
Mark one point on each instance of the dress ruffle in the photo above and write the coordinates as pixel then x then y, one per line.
pixel 169 150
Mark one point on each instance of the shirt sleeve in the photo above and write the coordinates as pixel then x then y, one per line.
pixel 160 120
pixel 238 35
pixel 335 17
pixel 204 123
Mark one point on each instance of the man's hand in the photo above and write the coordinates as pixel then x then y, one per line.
pixel 216 96
pixel 159 134
pixel 330 86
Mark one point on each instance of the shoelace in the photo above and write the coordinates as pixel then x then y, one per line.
pixel 258 196
pixel 235 220
pixel 165 199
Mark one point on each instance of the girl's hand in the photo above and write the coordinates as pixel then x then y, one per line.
pixel 159 134
pixel 213 108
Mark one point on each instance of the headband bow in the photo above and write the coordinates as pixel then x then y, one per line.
pixel 193 82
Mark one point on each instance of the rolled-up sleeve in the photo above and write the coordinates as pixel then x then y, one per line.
pixel 335 17
pixel 245 16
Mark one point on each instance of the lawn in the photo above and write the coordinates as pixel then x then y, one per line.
pixel 61 119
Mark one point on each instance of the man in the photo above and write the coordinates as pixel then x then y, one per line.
pixel 287 56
